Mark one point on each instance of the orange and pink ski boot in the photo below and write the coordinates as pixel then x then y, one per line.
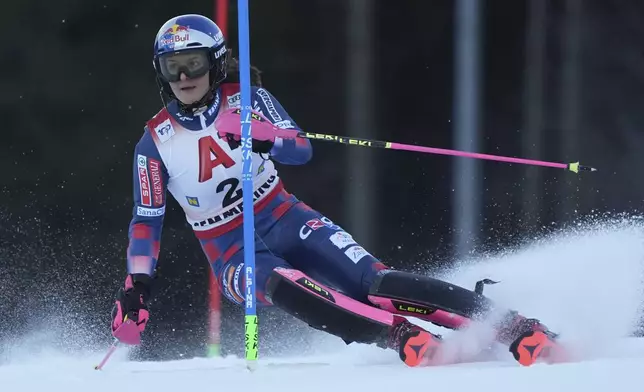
pixel 415 345
pixel 530 341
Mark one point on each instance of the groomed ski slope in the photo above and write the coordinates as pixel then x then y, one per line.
pixel 585 284
pixel 615 374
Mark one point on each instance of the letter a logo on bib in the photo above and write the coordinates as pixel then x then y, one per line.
pixel 211 155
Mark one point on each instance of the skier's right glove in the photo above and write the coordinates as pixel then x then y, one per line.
pixel 131 301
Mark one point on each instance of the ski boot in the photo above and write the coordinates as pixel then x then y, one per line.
pixel 530 341
pixel 415 345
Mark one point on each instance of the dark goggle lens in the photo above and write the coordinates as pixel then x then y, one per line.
pixel 193 64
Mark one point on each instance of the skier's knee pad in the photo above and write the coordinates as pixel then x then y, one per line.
pixel 316 305
pixel 432 293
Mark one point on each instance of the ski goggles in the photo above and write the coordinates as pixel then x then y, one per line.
pixel 192 63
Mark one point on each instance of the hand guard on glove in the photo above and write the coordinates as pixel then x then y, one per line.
pixel 131 301
pixel 264 132
pixel 259 146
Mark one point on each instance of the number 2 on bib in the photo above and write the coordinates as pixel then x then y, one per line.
pixel 208 148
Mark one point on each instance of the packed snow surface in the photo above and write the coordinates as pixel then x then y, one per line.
pixel 585 283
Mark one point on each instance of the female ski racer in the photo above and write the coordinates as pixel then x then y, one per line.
pixel 305 264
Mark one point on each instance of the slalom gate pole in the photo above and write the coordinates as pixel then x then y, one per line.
pixel 250 319
pixel 220 16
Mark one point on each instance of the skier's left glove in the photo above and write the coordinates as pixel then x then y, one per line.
pixel 264 133
pixel 131 301
pixel 259 146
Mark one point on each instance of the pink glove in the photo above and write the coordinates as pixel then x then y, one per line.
pixel 130 313
pixel 228 124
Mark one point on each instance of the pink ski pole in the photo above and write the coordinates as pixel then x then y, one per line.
pixel 229 122
pixel 110 351
pixel 127 333
pixel 573 167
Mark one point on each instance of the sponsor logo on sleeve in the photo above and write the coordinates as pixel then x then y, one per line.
pixel 356 253
pixel 144 180
pixel 270 106
pixel 142 211
pixel 286 124
pixel 157 182
pixel 234 100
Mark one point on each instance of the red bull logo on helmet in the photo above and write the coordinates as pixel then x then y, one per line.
pixel 176 29
pixel 175 35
